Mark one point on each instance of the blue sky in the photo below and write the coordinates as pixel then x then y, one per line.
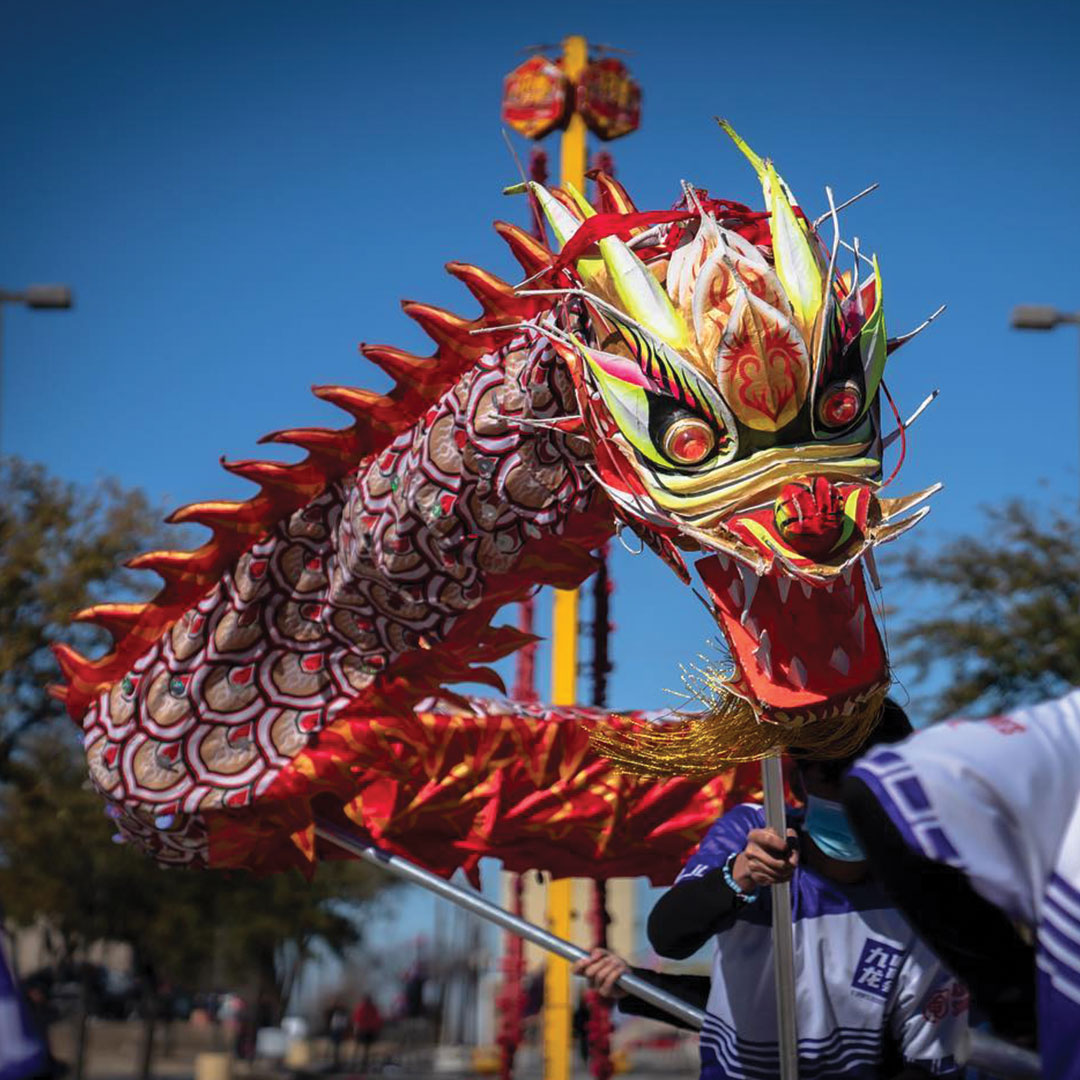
pixel 241 192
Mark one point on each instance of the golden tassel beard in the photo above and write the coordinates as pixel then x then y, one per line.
pixel 730 732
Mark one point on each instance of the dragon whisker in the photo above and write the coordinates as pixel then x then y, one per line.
pixel 845 204
pixel 894 435
pixel 896 342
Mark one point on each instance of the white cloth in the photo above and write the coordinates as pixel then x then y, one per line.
pixel 861 976
pixel 998 799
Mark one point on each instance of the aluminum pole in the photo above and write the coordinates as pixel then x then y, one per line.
pixel 772 781
pixel 471 900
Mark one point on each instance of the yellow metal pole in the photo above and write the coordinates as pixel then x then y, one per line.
pixel 572 153
pixel 564 636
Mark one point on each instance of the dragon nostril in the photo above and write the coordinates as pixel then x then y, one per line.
pixel 809 515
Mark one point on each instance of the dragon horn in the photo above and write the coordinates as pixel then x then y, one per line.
pixel 733 135
pixel 798 265
pixel 564 225
pixel 641 295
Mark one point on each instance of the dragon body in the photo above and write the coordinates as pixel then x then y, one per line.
pixel 703 377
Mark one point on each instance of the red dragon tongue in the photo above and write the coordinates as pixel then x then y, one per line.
pixel 802 647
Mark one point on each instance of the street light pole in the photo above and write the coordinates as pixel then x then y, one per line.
pixel 1041 317
pixel 38 297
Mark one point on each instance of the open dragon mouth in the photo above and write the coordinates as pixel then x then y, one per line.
pixel 804 650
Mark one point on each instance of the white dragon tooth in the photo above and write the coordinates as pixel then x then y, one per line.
pixel 763 654
pixel 847 574
pixel 750 623
pixel 840 661
pixel 807 588
pixel 797 670
pixel 783 587
pixel 735 592
pixel 724 561
pixel 830 585
pixel 857 625
pixel 750 582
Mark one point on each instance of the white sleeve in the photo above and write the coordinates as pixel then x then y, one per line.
pixel 929 1013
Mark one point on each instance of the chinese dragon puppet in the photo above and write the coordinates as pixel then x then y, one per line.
pixel 705 377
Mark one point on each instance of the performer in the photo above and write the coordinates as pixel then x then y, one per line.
pixel 973 826
pixel 873 1001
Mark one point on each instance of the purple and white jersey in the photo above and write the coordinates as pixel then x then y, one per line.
pixel 998 800
pixel 862 978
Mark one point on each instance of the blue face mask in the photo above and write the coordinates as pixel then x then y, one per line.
pixel 830 829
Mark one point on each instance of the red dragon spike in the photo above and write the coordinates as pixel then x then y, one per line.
pixel 378 415
pixel 446 329
pixel 276 477
pixel 567 200
pixel 414 374
pixel 118 619
pixel 613 196
pixel 328 448
pixel 229 517
pixel 82 676
pixel 495 295
pixel 528 251
pixel 177 568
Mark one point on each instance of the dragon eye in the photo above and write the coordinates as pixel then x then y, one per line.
pixel 688 441
pixel 840 405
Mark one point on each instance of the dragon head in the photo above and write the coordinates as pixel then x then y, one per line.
pixel 729 377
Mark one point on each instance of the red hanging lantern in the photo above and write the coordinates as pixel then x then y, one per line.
pixel 536 97
pixel 609 99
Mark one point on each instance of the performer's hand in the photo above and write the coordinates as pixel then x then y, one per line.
pixel 602 969
pixel 766 859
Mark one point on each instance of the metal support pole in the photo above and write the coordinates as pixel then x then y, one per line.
pixel 772 780
pixel 471 900
pixel 558 1046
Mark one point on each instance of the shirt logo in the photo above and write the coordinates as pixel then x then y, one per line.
pixel 693 872
pixel 876 970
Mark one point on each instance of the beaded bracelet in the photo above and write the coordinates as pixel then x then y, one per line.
pixel 733 885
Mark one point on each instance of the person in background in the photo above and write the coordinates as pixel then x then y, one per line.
pixel 337 1025
pixel 872 1001
pixel 367 1024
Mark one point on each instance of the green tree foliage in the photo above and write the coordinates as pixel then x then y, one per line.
pixel 59 861
pixel 61 549
pixel 1003 611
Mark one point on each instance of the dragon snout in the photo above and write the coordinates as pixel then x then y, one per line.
pixel 809 515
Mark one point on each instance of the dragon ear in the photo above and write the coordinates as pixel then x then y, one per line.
pixel 564 225
pixel 733 135
pixel 640 295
